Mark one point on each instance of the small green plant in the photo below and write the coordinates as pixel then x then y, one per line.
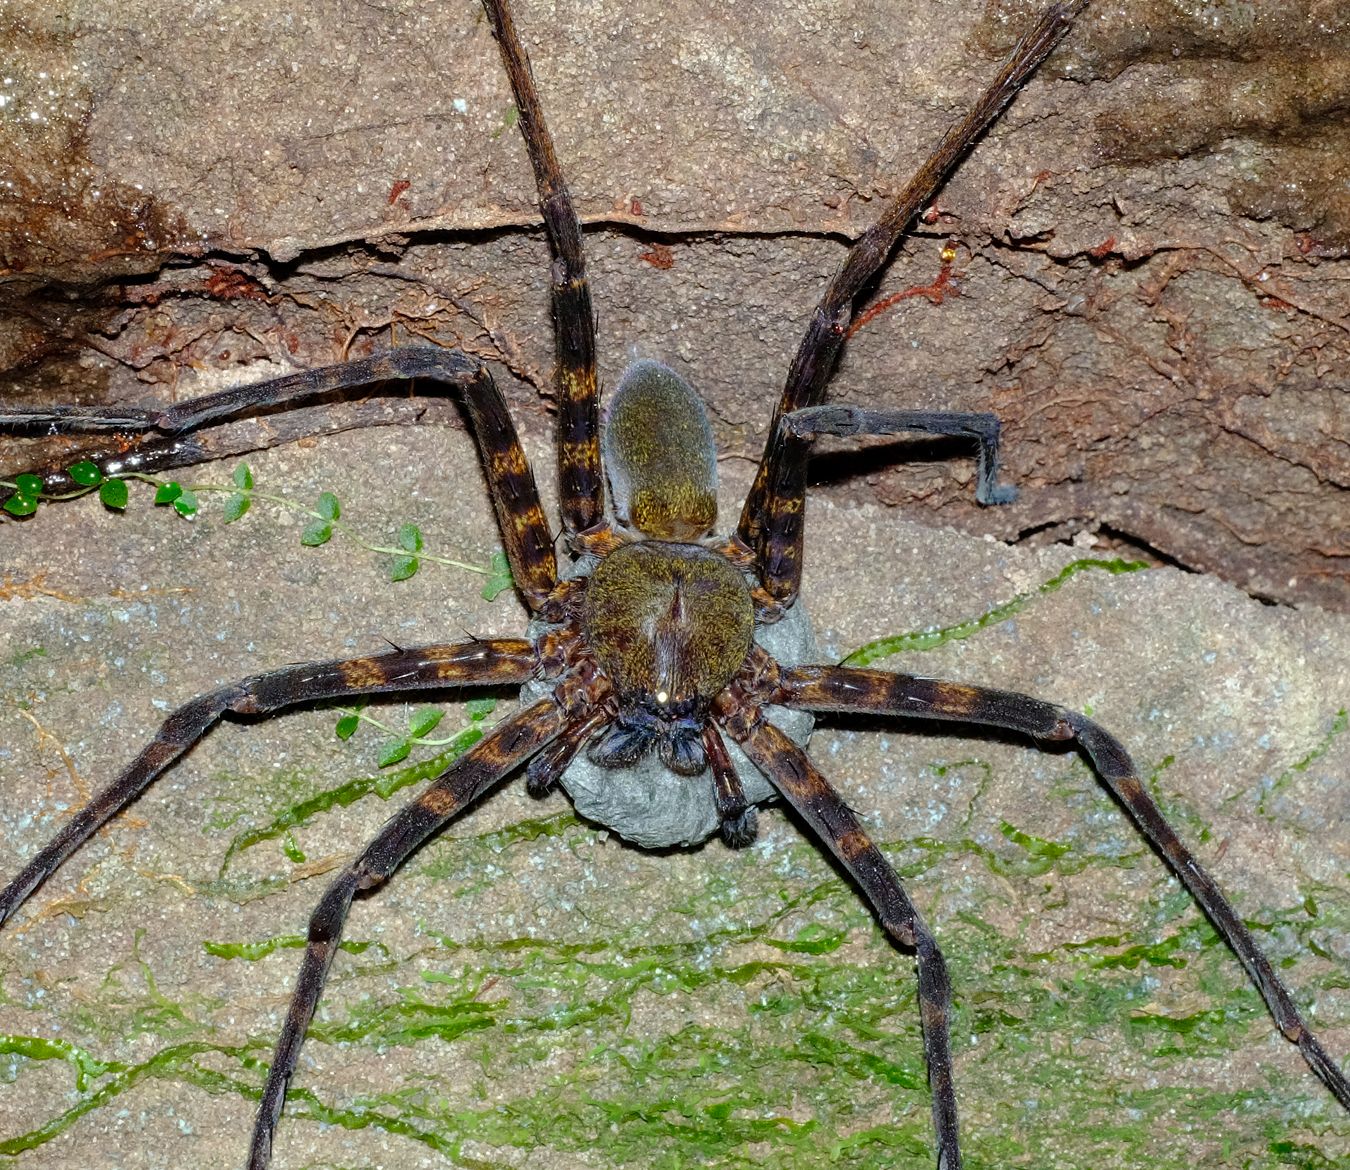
pixel 421 723
pixel 27 489
pixel 406 554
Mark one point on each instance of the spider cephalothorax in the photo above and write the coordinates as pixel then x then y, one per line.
pixel 671 625
pixel 666 676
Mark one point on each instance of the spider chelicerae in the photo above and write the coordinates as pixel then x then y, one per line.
pixel 645 660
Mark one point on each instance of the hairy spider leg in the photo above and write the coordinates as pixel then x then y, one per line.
pixel 580 478
pixel 503 749
pixel 63 420
pixel 493 662
pixel 581 483
pixel 771 519
pixel 812 796
pixel 739 822
pixel 981 426
pixel 879 692
pixel 149 454
pixel 548 766
pixel 515 496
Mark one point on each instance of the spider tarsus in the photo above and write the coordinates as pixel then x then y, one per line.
pixel 539 787
pixel 739 832
pixel 1322 1063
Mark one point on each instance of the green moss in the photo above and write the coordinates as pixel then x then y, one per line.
pixel 253 951
pixel 780 1031
pixel 1277 788
pixel 383 784
pixel 930 639
pixel 24 657
pixel 746 1012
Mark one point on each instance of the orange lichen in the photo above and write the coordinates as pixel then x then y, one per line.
pixel 658 256
pixel 935 293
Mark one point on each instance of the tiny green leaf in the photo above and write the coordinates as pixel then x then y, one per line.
pixel 113 493
pixel 186 505
pixel 509 119
pixel 29 485
pixel 243 478
pixel 328 506
pixel 394 751
pixel 403 568
pixel 346 726
pixel 410 537
pixel 85 473
pixel 20 505
pixel 235 506
pixel 424 721
pixel 499 576
pixel 291 849
pixel 316 532
pixel 477 709
pixel 167 492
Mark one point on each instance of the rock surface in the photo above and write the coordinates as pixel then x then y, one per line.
pixel 527 991
pixel 1150 248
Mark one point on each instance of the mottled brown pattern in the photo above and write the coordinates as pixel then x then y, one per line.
pixel 440 802
pixel 828 688
pixel 359 673
pixel 579 474
pixel 659 452
pixel 467 777
pixel 851 845
pixel 515 497
pixel 1129 788
pixel 510 660
pixel 671 623
pixel 833 688
pixel 805 788
pixel 648 649
pixel 956 700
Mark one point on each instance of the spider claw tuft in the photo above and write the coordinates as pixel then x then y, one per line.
pixel 741 831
